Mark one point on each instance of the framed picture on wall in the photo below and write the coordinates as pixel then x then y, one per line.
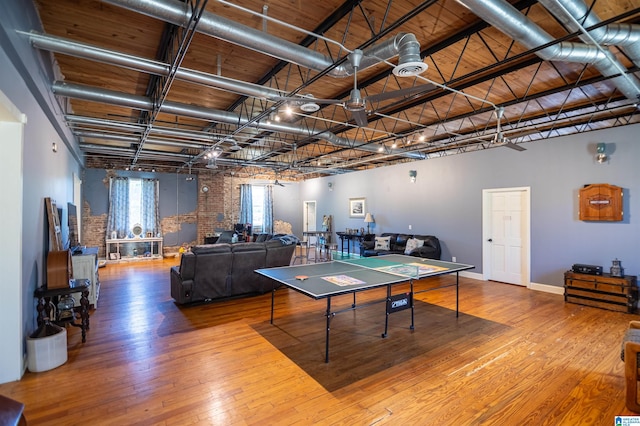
pixel 356 207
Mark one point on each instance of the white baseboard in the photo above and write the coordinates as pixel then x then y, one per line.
pixel 554 289
pixel 547 288
pixel 472 275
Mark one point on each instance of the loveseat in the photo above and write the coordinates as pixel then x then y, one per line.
pixel 217 271
pixel 397 244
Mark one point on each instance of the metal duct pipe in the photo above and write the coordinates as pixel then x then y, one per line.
pixel 131 152
pixel 627 36
pixel 133 139
pixel 178 13
pixel 87 51
pixel 136 127
pixel 151 155
pixel 510 21
pixel 95 94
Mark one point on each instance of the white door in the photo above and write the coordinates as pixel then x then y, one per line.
pixel 309 219
pixel 506 234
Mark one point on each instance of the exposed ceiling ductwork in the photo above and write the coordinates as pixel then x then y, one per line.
pixel 141 82
pixel 94 94
pixel 86 51
pixel 178 13
pixel 575 15
pixel 510 21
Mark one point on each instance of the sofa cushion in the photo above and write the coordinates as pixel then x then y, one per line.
pixel 260 238
pixel 412 244
pixel 211 248
pixel 431 248
pixel 243 247
pixel 382 243
pixel 401 241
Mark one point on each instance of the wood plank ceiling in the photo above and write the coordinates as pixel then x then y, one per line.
pixel 147 89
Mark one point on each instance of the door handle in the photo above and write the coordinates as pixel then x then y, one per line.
pixel 490 240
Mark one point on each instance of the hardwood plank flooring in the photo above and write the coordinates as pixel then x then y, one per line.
pixel 514 356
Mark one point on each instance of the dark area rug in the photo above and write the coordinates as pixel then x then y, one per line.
pixel 357 349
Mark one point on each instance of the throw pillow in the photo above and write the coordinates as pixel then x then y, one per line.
pixel 412 244
pixel 382 243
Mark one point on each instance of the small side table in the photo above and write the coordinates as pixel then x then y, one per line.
pixel 48 296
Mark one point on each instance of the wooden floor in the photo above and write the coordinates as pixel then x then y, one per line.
pixel 514 356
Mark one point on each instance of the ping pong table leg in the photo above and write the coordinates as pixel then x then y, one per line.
pixel 412 305
pixel 457 293
pixel 273 295
pixel 329 314
pixel 386 310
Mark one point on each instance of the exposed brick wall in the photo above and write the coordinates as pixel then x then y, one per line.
pixel 217 209
pixel 94 229
pixel 170 224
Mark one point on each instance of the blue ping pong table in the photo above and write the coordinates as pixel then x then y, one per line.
pixel 352 275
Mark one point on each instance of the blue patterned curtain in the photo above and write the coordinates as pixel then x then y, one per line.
pixel 246 204
pixel 118 219
pixel 267 219
pixel 149 207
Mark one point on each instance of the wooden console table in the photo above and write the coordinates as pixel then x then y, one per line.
pixel 154 242
pixel 347 238
pixel 48 296
pixel 602 291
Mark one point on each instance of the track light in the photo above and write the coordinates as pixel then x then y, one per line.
pixel 211 164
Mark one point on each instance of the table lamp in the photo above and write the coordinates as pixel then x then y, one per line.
pixel 368 219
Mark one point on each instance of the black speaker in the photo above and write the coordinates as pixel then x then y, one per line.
pixel 586 269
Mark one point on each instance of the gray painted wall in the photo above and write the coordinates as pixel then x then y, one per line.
pixel 446 200
pixel 25 82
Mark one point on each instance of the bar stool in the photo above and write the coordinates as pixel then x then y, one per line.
pixel 327 250
pixel 312 247
pixel 298 253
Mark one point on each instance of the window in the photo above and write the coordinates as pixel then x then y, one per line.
pixel 257 208
pixel 135 201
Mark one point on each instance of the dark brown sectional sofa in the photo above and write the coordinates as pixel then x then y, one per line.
pixel 217 271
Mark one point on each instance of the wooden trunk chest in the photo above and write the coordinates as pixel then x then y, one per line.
pixel 602 291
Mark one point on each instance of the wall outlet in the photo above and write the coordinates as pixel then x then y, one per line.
pixel 453 259
pixel 409 227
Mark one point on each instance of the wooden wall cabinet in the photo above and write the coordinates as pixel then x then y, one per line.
pixel 601 202
pixel 602 291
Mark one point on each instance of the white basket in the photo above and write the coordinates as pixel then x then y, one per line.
pixel 45 353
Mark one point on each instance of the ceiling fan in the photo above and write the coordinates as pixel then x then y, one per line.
pixel 499 139
pixel 356 104
pixel 275 182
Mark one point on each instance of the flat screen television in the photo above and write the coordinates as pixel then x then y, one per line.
pixel 72 221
